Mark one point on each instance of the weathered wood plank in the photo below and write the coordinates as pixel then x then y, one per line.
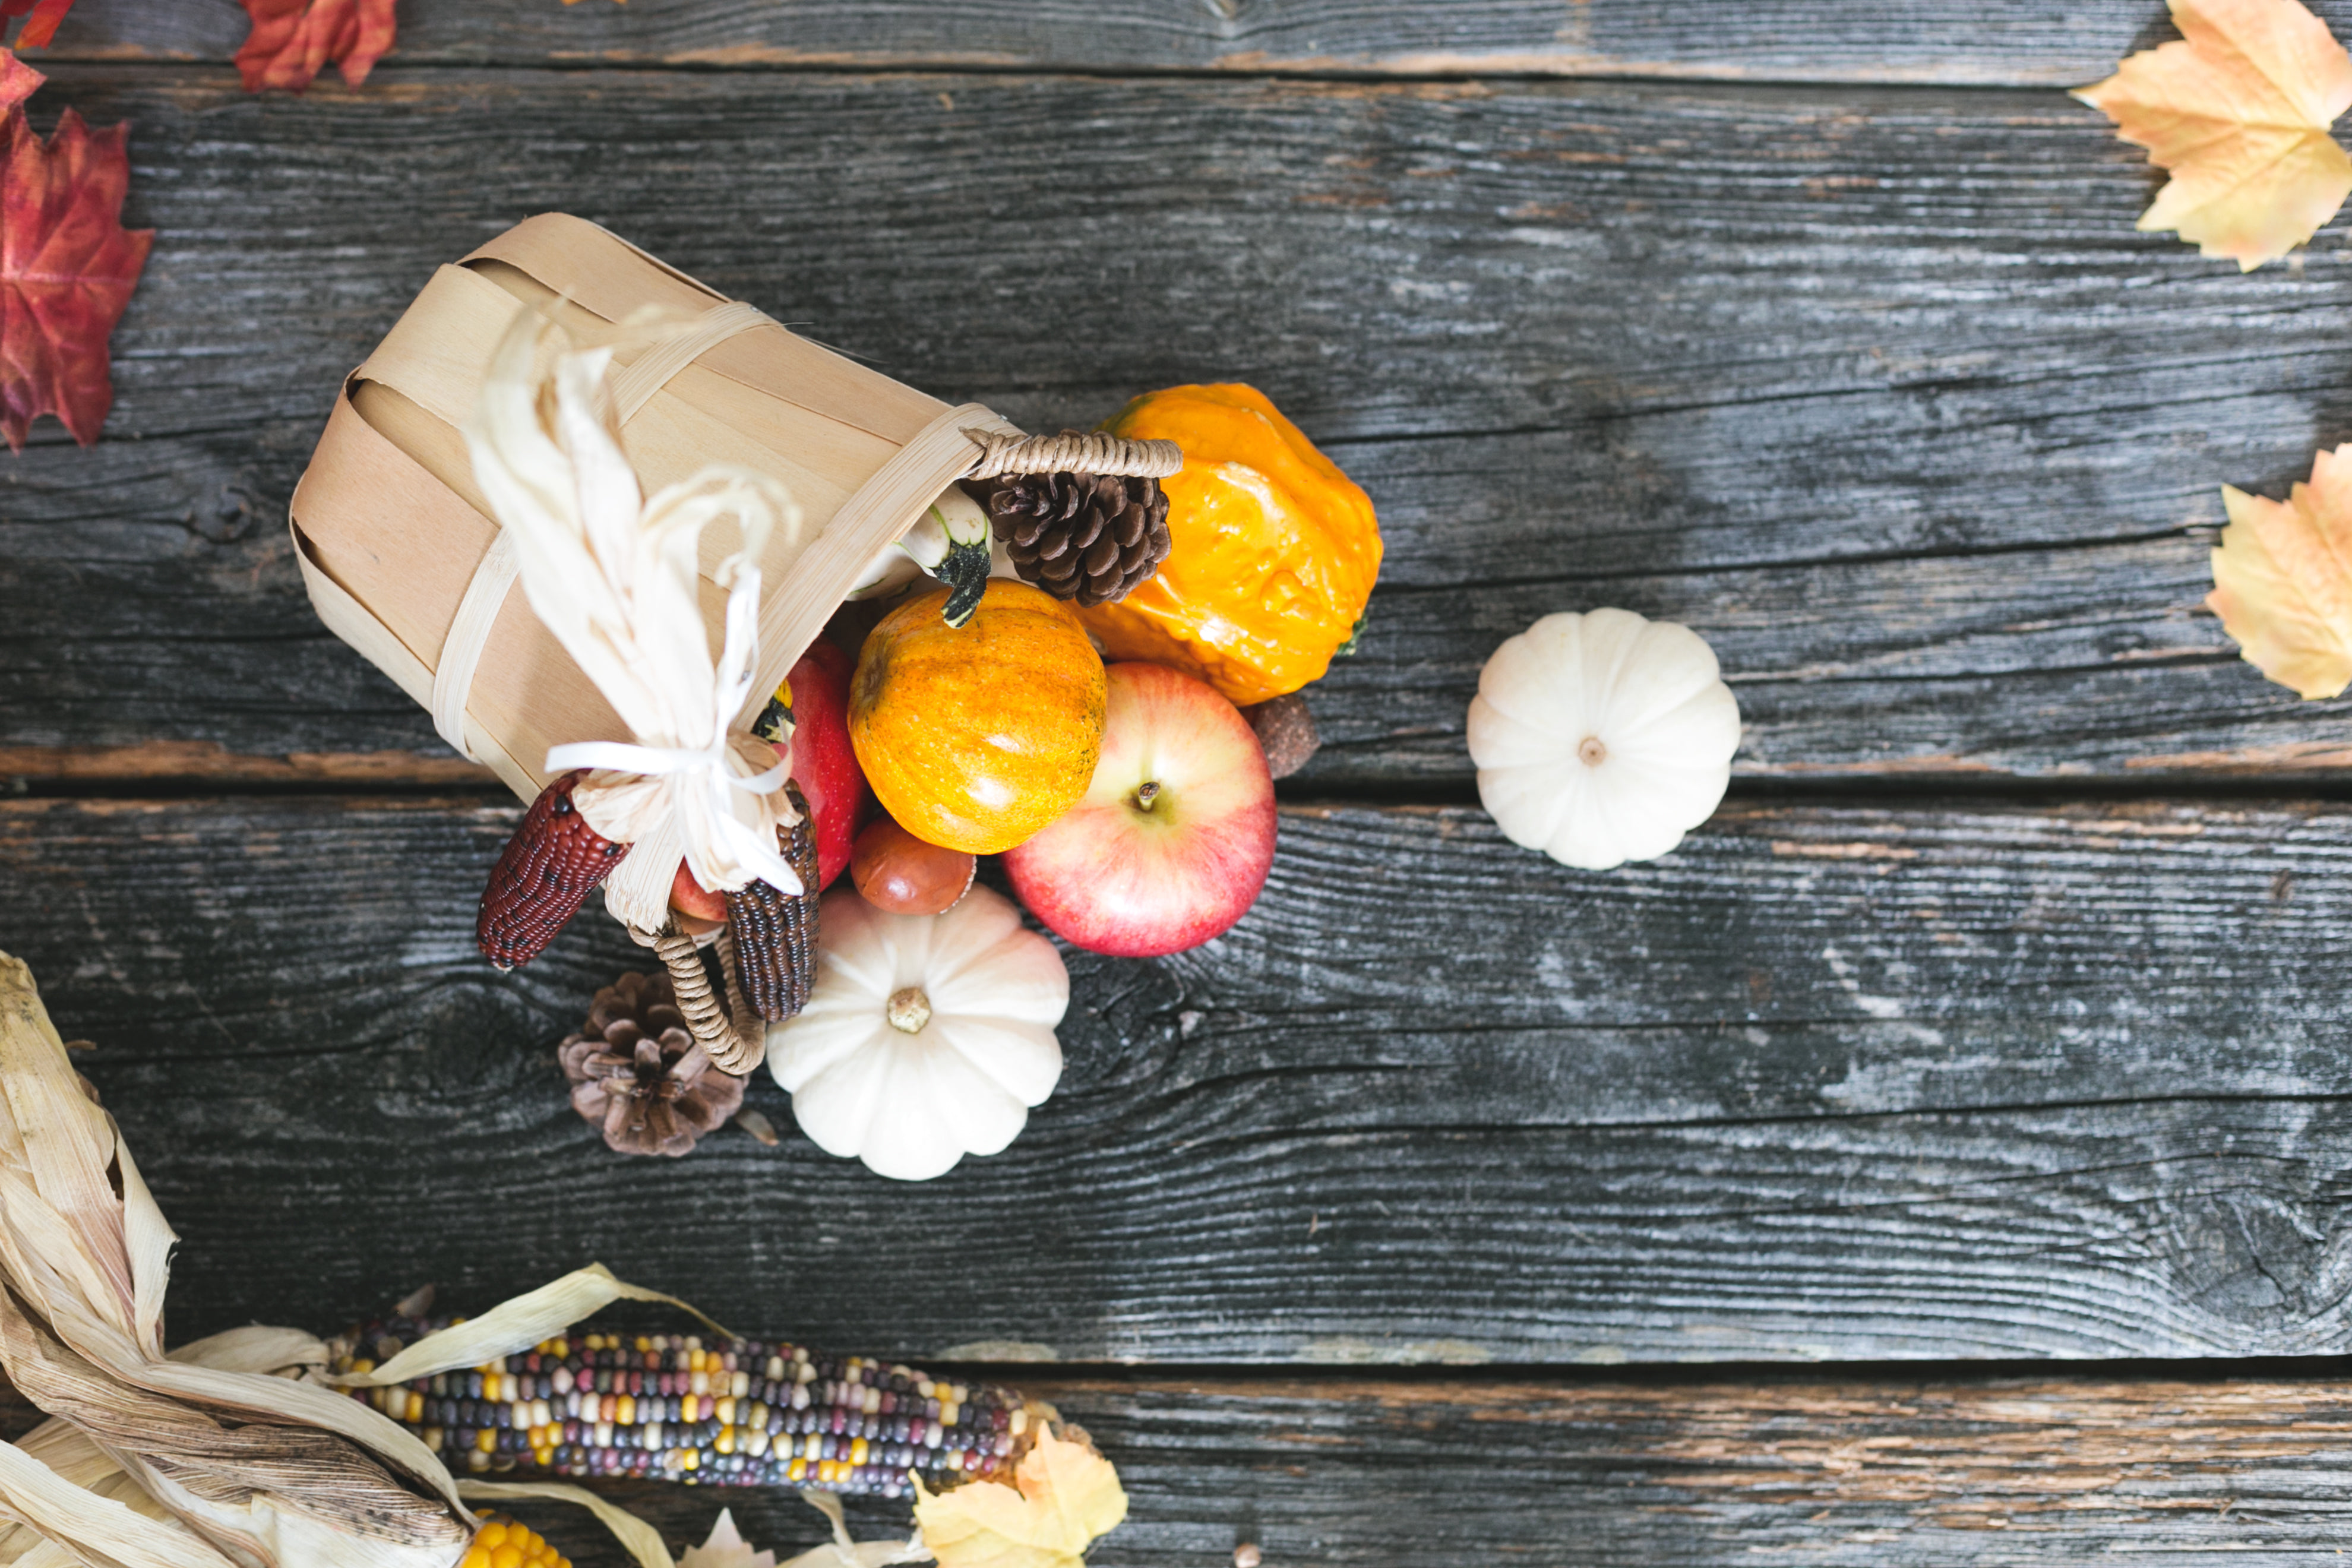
pixel 1879 390
pixel 1828 1083
pixel 1886 1472
pixel 1883 1468
pixel 2016 42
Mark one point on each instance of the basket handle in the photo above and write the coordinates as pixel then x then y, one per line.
pixel 1072 451
pixel 731 1047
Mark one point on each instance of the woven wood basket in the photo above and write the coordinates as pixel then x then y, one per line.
pixel 393 536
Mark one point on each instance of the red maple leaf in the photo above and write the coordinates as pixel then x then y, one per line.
pixel 293 40
pixel 18 82
pixel 66 269
pixel 47 15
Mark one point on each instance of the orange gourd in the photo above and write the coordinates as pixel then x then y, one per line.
pixel 974 736
pixel 1274 550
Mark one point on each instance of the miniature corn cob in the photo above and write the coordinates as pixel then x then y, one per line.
pixel 667 1406
pixel 549 868
pixel 504 1543
pixel 775 932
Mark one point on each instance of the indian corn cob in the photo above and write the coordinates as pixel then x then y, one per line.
pixel 775 932
pixel 549 868
pixel 720 1413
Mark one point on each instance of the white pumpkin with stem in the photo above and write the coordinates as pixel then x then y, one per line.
pixel 926 1037
pixel 1603 738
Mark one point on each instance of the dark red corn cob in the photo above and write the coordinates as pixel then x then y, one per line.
pixel 710 1412
pixel 775 932
pixel 551 866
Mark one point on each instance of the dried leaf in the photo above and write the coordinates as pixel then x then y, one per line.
pixel 725 1549
pixel 1062 1496
pixel 2238 111
pixel 18 82
pixel 293 40
pixel 2282 578
pixel 45 15
pixel 66 270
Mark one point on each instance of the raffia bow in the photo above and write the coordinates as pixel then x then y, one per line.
pixel 614 578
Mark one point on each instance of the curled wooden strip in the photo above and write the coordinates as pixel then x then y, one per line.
pixel 706 1014
pixel 1072 451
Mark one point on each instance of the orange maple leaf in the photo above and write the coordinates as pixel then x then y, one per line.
pixel 66 269
pixel 293 40
pixel 2282 578
pixel 2239 113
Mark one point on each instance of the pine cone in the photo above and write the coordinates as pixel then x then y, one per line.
pixel 639 1074
pixel 1088 537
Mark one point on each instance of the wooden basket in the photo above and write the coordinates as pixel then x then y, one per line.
pixel 390 530
pixel 393 538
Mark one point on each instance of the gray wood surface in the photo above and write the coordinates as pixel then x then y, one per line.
pixel 1886 1472
pixel 1879 391
pixel 1865 374
pixel 1828 1083
pixel 2013 42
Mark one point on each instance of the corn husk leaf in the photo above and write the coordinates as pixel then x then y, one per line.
pixel 2238 110
pixel 185 1463
pixel 615 576
pixel 1062 1496
pixel 641 1540
pixel 515 1325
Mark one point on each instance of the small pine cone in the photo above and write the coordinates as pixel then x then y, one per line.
pixel 1088 537
pixel 638 1073
pixel 775 932
pixel 548 870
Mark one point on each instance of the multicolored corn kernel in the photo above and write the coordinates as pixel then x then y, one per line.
pixel 503 1543
pixel 715 1413
pixel 550 867
pixel 775 932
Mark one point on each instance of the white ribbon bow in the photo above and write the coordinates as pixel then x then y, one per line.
pixel 615 579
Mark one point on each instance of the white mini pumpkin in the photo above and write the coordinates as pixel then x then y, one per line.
pixel 926 1038
pixel 1603 738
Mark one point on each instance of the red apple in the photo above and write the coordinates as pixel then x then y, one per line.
pixel 690 898
pixel 1171 844
pixel 824 765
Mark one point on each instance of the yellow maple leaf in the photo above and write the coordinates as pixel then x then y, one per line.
pixel 1063 1494
pixel 2282 578
pixel 2239 113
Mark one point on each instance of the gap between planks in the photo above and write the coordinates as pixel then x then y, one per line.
pixel 182 770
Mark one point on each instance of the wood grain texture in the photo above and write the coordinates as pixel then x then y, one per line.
pixel 2015 42
pixel 1885 1472
pixel 1878 390
pixel 1828 1083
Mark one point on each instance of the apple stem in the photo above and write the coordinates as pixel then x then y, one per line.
pixel 908 1010
pixel 1147 794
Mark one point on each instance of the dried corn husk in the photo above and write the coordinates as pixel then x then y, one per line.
pixel 224 1465
pixel 614 578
